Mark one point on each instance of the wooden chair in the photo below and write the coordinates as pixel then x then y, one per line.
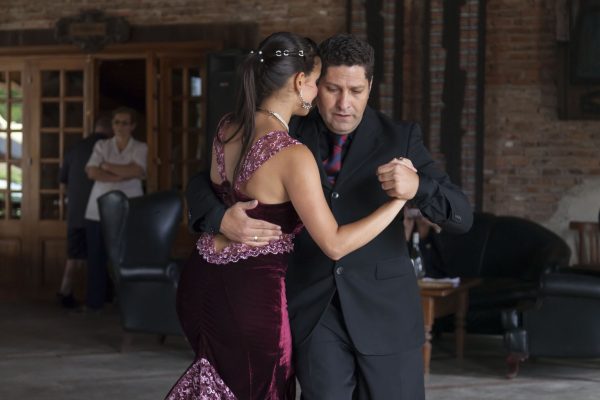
pixel 587 243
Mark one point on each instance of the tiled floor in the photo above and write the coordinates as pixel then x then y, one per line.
pixel 46 353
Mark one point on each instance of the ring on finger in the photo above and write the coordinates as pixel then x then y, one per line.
pixel 255 238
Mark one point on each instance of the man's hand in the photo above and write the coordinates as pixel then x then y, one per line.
pixel 399 178
pixel 237 226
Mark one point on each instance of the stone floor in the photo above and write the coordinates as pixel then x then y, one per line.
pixel 47 353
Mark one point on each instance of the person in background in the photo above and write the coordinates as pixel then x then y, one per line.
pixel 118 163
pixel 78 187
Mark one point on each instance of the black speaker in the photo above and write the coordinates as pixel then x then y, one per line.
pixel 223 82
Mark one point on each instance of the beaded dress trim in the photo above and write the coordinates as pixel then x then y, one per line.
pixel 260 152
pixel 201 382
pixel 239 251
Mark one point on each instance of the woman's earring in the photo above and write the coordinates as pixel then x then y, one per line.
pixel 305 104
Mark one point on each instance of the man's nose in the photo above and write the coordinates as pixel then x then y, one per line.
pixel 343 101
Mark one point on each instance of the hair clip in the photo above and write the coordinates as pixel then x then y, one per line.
pixel 286 53
pixel 259 53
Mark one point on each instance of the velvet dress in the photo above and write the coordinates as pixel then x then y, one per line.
pixel 232 303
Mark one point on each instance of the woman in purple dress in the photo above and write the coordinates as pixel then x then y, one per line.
pixel 231 296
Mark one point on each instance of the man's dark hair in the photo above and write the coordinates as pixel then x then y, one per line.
pixel 103 123
pixel 346 49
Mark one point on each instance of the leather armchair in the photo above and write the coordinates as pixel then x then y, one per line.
pixel 139 233
pixel 563 322
pixel 510 255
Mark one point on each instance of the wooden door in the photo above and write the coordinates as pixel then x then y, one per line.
pixel 13 190
pixel 182 141
pixel 60 113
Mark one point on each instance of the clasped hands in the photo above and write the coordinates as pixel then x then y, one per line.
pixel 399 178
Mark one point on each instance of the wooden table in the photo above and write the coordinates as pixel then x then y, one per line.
pixel 442 301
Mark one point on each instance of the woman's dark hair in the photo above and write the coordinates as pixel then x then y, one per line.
pixel 348 50
pixel 126 110
pixel 264 71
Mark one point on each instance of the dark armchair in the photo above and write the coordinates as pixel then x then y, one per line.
pixel 510 255
pixel 563 321
pixel 139 233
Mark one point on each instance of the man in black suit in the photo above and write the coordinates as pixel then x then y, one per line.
pixel 357 323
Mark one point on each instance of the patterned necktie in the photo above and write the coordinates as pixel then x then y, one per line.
pixel 333 164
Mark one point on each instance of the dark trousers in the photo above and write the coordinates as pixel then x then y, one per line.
pixel 329 367
pixel 97 271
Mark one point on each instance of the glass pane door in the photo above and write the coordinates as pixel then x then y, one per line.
pixel 11 144
pixel 14 190
pixel 60 102
pixel 183 134
pixel 61 125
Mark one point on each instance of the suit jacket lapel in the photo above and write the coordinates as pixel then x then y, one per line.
pixel 367 139
pixel 309 133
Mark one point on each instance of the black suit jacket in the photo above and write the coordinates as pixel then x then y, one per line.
pixel 378 292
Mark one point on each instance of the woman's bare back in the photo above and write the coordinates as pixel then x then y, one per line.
pixel 265 183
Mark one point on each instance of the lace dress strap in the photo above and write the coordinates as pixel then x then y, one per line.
pixel 262 150
pixel 219 147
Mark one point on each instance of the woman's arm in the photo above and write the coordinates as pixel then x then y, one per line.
pixel 98 174
pixel 303 185
pixel 125 171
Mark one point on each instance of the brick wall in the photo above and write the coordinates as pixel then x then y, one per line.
pixel 359 26
pixel 531 158
pixel 468 62
pixel 315 18
pixel 413 73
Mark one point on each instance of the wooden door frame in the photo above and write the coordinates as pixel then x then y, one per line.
pixel 41 233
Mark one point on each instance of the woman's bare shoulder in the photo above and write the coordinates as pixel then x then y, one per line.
pixel 296 151
pixel 228 131
pixel 293 160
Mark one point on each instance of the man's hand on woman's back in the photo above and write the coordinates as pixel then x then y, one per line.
pixel 239 227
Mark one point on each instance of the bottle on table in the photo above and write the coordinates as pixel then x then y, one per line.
pixel 416 257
